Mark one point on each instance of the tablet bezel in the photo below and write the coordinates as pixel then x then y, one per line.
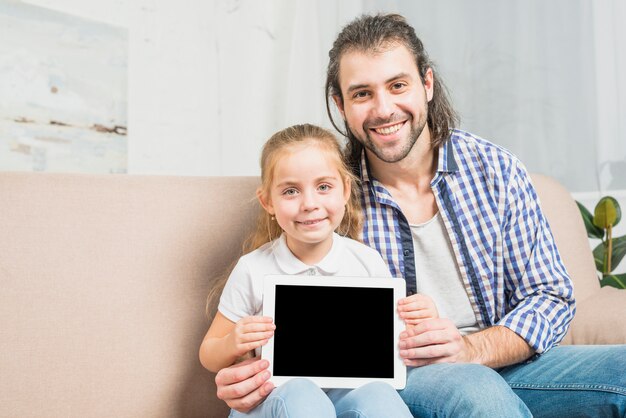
pixel 399 291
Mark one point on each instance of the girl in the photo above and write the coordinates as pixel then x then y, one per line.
pixel 307 193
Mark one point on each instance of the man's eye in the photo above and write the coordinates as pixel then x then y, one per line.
pixel 398 86
pixel 360 94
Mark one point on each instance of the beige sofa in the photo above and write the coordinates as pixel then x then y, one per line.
pixel 104 278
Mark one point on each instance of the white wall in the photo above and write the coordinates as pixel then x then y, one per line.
pixel 210 81
pixel 547 80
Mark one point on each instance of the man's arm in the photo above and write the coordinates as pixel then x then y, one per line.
pixel 540 301
pixel 485 347
pixel 439 341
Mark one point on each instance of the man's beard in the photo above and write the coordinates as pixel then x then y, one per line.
pixel 390 156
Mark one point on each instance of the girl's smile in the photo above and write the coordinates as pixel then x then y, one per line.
pixel 308 198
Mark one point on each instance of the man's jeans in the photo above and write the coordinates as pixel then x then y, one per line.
pixel 567 381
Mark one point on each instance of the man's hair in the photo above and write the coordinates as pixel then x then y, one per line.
pixel 376 33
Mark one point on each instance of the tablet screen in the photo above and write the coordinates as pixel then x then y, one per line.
pixel 340 332
pixel 333 331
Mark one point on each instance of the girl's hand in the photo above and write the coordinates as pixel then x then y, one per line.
pixel 250 333
pixel 417 308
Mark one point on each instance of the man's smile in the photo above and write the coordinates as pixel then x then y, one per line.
pixel 388 130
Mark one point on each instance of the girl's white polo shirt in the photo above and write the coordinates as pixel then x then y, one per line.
pixel 243 293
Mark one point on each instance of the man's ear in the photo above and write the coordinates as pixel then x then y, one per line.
pixel 339 103
pixel 429 84
pixel 265 201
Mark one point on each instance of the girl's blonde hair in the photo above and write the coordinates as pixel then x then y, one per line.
pixel 267 228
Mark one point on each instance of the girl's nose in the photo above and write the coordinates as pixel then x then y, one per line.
pixel 309 201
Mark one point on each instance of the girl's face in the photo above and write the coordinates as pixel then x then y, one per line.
pixel 308 198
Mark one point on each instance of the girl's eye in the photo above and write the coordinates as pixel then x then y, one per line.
pixel 290 192
pixel 324 187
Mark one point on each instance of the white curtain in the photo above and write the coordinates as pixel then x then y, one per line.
pixel 547 80
pixel 271 58
pixel 610 64
pixel 210 81
pixel 544 79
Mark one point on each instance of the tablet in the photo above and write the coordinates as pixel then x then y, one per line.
pixel 340 332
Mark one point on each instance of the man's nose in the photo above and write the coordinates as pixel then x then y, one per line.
pixel 383 105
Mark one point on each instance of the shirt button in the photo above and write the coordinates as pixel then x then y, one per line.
pixel 407 252
pixel 311 272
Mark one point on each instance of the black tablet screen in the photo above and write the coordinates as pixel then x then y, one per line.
pixel 334 331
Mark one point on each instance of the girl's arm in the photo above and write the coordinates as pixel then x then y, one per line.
pixel 226 341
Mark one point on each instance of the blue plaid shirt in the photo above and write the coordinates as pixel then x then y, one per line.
pixel 504 248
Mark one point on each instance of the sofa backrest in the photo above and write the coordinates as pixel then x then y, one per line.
pixel 103 288
pixel 103 281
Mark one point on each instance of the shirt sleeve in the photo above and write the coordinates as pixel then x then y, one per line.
pixel 237 300
pixel 538 289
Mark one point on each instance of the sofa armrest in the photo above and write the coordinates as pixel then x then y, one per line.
pixel 600 319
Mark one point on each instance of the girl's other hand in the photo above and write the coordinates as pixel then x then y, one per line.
pixel 251 332
pixel 417 308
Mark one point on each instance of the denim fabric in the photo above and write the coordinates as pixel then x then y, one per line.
pixel 573 381
pixel 567 381
pixel 302 398
pixel 460 390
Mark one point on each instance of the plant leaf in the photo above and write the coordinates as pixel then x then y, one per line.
pixel 619 250
pixel 592 230
pixel 607 212
pixel 618 253
pixel 599 256
pixel 614 280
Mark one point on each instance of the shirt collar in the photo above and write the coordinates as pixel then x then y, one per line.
pixel 447 162
pixel 290 264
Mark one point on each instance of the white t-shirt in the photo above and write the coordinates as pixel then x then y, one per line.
pixel 243 293
pixel 438 274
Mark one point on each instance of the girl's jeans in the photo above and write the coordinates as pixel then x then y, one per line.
pixel 302 398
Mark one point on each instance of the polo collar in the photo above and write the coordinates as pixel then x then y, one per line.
pixel 290 264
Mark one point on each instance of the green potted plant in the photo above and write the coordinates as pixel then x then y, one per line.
pixel 611 250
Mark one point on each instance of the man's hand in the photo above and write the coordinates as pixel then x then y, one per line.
pixel 433 341
pixel 439 341
pixel 244 385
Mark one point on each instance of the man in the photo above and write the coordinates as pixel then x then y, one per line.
pixel 457 217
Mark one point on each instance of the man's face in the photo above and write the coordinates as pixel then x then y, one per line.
pixel 385 103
